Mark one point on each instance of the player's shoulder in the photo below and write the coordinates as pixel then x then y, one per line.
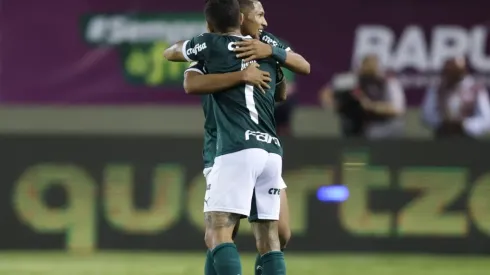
pixel 217 39
pixel 264 34
pixel 206 38
pixel 269 38
pixel 236 37
pixel 273 40
pixel 217 36
pixel 203 37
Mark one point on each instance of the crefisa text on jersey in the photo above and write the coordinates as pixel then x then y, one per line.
pixel 262 137
pixel 269 40
pixel 197 48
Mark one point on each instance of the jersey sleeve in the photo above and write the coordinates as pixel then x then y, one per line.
pixel 196 67
pixel 196 48
pixel 271 39
pixel 284 45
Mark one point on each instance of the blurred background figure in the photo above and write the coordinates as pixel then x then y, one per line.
pixel 285 110
pixel 369 102
pixel 459 106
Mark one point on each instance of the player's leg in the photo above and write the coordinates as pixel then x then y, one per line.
pixel 235 230
pixel 265 215
pixel 219 230
pixel 209 263
pixel 227 199
pixel 283 227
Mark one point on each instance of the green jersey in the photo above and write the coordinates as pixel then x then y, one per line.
pixel 270 39
pixel 210 128
pixel 244 115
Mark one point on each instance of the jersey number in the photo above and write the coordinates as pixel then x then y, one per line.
pixel 249 100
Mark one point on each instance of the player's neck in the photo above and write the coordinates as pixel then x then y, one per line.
pixel 232 32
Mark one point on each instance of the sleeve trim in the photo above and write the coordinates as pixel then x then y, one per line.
pixel 194 70
pixel 184 51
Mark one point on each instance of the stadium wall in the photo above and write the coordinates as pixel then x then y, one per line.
pixel 101 192
pixel 159 120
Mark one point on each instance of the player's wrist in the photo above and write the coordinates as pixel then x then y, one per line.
pixel 279 55
pixel 243 76
pixel 270 51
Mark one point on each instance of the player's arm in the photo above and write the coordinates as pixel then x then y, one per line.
pixel 253 49
pixel 194 49
pixel 175 52
pixel 196 82
pixel 293 61
pixel 281 87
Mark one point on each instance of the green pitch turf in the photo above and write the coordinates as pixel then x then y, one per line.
pixel 139 263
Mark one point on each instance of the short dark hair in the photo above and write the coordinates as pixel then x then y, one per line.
pixel 222 15
pixel 246 4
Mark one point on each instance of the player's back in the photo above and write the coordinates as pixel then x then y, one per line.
pixel 210 131
pixel 210 128
pixel 244 115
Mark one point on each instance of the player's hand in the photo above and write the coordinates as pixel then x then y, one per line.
pixel 254 76
pixel 366 103
pixel 252 49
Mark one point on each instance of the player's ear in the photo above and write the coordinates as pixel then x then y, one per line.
pixel 241 18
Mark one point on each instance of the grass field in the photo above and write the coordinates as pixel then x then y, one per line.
pixel 47 263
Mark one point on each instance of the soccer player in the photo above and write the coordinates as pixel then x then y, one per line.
pixel 201 47
pixel 248 162
pixel 252 49
pixel 254 24
pixel 197 82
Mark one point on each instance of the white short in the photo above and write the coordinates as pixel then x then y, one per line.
pixel 246 182
pixel 207 170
